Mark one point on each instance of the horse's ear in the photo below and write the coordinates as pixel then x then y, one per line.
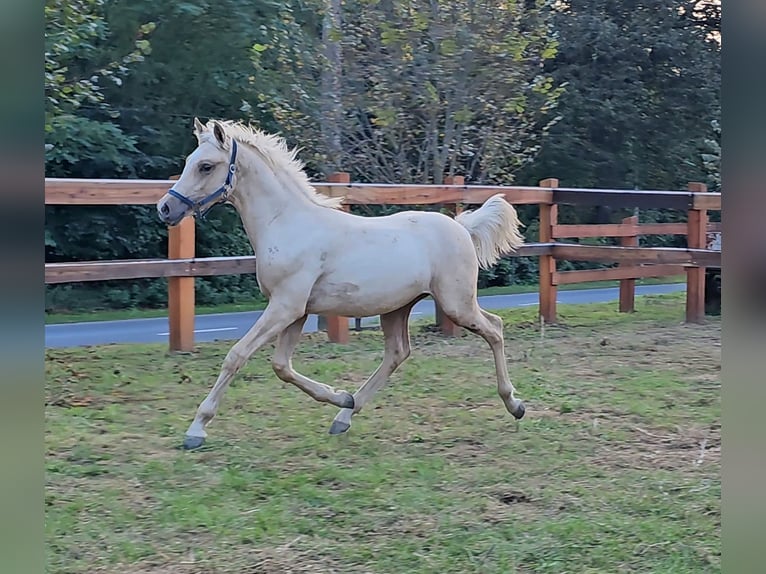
pixel 199 127
pixel 219 133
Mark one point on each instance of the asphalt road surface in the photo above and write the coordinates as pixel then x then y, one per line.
pixel 231 326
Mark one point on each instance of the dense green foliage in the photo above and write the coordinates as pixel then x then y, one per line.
pixel 595 93
pixel 642 88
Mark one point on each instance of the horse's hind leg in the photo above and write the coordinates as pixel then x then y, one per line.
pixel 490 327
pixel 396 333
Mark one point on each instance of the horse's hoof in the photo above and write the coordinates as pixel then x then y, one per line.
pixel 192 442
pixel 339 427
pixel 347 401
pixel 519 412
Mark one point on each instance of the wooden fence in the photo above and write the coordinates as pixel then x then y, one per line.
pixel 634 262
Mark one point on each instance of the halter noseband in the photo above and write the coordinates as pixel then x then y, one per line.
pixel 222 191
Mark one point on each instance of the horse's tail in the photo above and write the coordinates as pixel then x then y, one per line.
pixel 494 229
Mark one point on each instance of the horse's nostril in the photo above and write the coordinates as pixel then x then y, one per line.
pixel 165 209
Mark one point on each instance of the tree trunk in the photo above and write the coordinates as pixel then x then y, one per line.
pixel 332 106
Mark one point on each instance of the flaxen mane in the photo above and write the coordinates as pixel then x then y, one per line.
pixel 274 151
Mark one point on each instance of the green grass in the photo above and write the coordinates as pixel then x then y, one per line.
pixel 615 468
pixel 58 317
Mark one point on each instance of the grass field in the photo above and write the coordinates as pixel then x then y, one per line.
pixel 615 468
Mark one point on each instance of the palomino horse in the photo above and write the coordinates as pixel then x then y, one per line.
pixel 312 257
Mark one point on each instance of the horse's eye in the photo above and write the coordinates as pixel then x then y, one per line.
pixel 205 168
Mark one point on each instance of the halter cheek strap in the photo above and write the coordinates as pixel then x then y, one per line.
pixel 222 192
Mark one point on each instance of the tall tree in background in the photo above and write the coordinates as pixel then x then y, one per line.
pixel 711 157
pixel 438 88
pixel 331 121
pixel 80 132
pixel 643 80
pixel 200 66
pixel 429 88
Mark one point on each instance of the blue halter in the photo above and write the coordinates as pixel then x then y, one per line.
pixel 222 192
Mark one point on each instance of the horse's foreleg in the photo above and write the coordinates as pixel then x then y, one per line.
pixel 283 367
pixel 275 318
pixel 397 349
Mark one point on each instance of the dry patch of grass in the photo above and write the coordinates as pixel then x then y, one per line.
pixel 615 468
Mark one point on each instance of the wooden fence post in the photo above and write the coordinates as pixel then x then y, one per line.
pixel 337 326
pixel 696 232
pixel 628 286
pixel 181 289
pixel 548 218
pixel 445 324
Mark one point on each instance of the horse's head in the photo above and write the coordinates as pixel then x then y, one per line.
pixel 207 178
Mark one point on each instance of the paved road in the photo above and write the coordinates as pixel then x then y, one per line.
pixel 228 326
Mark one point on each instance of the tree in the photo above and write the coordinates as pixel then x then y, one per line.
pixel 331 120
pixel 643 82
pixel 595 93
pixel 200 66
pixel 75 30
pixel 442 88
pixel 711 157
pixel 429 88
pixel 75 72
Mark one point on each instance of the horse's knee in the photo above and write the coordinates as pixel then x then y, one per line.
pixel 234 360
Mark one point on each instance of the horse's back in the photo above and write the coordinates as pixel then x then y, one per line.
pixel 408 239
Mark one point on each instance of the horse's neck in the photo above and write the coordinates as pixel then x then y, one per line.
pixel 267 208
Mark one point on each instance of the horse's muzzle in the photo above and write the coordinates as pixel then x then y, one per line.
pixel 171 211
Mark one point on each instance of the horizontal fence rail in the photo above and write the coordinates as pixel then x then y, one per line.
pixel 105 191
pixel 586 230
pixel 238 265
pixel 619 254
pixel 680 200
pixel 616 273
pixel 191 267
pixel 148 191
pixel 148 268
pixel 633 262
